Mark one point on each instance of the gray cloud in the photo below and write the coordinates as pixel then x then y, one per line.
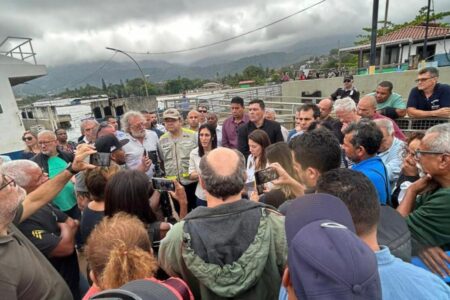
pixel 71 31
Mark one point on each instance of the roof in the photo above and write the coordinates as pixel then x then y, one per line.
pixel 406 35
pixel 414 32
pixel 246 81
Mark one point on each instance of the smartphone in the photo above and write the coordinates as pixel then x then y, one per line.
pixel 100 159
pixel 266 175
pixel 163 184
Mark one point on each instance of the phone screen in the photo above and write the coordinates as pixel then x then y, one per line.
pixel 163 184
pixel 266 175
pixel 100 159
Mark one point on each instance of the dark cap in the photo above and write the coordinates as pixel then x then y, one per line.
pixel 142 289
pixel 348 77
pixel 326 259
pixel 109 143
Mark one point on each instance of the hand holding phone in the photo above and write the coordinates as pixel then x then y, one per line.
pixel 100 159
pixel 266 175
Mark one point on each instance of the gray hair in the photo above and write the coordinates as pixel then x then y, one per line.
pixel 19 170
pixel 47 132
pixel 223 186
pixel 441 142
pixel 385 123
pixel 85 122
pixel 125 120
pixel 345 104
pixel 270 111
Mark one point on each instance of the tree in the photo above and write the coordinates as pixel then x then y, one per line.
pixel 420 19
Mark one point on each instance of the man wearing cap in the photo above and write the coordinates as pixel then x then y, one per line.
pixel 326 260
pixel 176 146
pixel 141 143
pixel 399 280
pixel 233 248
pixel 429 98
pixel 348 91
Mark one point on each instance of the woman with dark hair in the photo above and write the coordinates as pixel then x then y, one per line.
pixel 258 141
pixel 31 145
pixel 129 191
pixel 409 172
pixel 280 153
pixel 96 180
pixel 207 141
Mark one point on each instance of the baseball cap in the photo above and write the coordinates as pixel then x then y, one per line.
pixel 348 77
pixel 109 143
pixel 171 113
pixel 325 257
pixel 141 289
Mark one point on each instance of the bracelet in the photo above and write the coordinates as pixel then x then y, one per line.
pixel 70 169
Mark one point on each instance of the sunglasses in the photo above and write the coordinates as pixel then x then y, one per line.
pixel 202 111
pixel 27 138
pixel 7 182
pixel 347 80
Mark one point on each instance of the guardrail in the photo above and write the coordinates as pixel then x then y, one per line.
pixel 411 125
pixel 18 47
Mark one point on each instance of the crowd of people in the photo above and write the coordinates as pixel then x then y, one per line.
pixel 343 206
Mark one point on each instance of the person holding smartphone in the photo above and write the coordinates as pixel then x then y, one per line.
pixel 258 141
pixel 207 141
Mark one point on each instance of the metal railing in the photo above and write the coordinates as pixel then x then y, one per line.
pixel 412 125
pixel 18 47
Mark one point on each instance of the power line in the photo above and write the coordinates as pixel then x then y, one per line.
pixel 230 38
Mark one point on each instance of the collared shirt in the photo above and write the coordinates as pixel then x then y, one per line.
pixel 272 128
pixel 401 280
pixel 375 170
pixel 230 131
pixel 392 159
pixel 341 93
pixel 398 133
pixel 134 150
pixel 439 99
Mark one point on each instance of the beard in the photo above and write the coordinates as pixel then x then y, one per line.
pixel 138 133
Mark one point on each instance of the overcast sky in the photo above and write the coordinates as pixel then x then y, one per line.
pixel 72 31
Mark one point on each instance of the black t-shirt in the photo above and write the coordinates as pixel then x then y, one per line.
pixel 89 219
pixel 43 231
pixel 272 128
pixel 341 93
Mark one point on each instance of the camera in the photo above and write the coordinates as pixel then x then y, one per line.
pixel 100 159
pixel 163 184
pixel 266 175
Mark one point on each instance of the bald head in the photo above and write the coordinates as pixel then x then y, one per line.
pixel 367 106
pixel 223 172
pixel 26 173
pixel 325 106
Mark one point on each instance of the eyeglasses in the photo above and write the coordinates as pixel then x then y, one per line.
pixel 406 152
pixel 418 153
pixel 7 182
pixel 45 142
pixel 202 111
pixel 27 138
pixel 347 80
pixel 422 79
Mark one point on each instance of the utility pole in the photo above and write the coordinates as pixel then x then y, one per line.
pixel 386 9
pixel 373 38
pixel 139 67
pixel 425 52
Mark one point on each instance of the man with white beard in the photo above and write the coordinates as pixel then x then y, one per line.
pixel 142 143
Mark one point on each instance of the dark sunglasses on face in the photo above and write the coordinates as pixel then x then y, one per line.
pixel 202 111
pixel 27 138
pixel 347 80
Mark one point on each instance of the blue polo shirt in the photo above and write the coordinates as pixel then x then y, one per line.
pixel 440 98
pixel 375 170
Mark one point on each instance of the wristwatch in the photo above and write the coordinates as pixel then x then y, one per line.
pixel 70 169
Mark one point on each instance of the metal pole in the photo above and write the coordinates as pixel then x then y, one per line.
pixel 142 73
pixel 386 9
pixel 425 52
pixel 373 39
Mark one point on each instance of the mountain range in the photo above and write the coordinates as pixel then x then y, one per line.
pixel 70 76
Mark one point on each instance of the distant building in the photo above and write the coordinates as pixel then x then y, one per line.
pixel 403 48
pixel 246 83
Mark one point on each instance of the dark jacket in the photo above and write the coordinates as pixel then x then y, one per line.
pixel 272 128
pixel 42 159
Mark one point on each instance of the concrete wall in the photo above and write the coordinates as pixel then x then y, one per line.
pixel 403 83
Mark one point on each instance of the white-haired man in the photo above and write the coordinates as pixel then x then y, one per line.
pixel 142 144
pixel 88 131
pixel 272 116
pixel 49 229
pixel 345 110
pixel 391 150
pixel 25 273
